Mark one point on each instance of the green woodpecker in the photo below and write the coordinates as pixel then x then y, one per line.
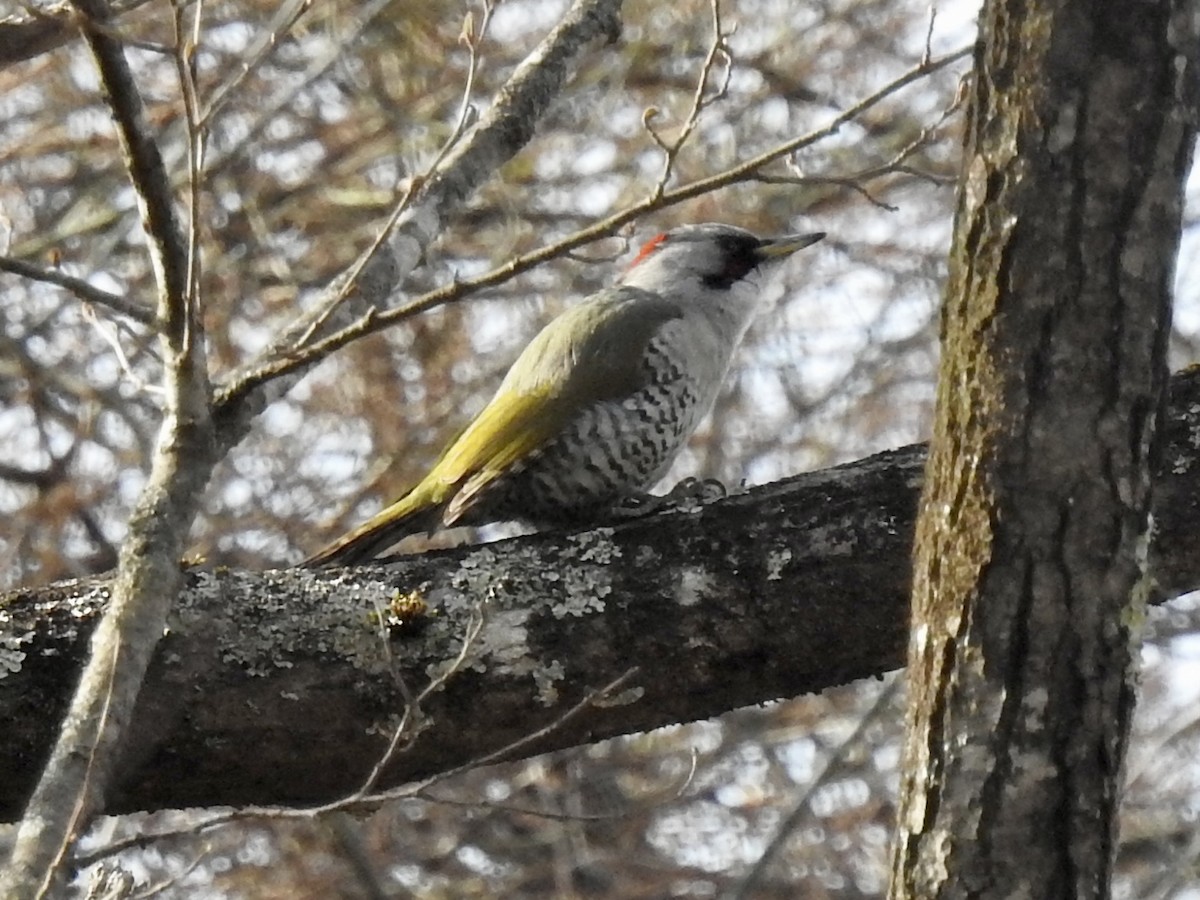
pixel 597 406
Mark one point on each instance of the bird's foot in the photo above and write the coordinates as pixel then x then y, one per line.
pixel 636 506
pixel 698 491
pixel 689 494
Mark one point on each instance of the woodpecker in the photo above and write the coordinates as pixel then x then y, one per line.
pixel 598 404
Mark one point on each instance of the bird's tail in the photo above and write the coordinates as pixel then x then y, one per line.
pixel 413 513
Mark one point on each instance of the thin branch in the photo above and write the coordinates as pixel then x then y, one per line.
pixel 928 54
pixel 165 240
pixel 511 749
pixel 855 181
pixel 86 292
pixel 466 115
pixel 718 50
pixel 43 30
pixel 184 56
pixel 286 100
pixel 643 803
pixel 412 709
pixel 173 880
pixel 285 19
pixel 110 333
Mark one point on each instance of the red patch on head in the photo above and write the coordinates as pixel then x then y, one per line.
pixel 647 248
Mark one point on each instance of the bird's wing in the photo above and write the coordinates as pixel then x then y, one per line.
pixel 590 353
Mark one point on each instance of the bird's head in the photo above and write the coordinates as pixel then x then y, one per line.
pixel 710 257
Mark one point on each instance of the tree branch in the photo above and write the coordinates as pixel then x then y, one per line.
pixel 275 687
pixel 41 30
pixel 84 290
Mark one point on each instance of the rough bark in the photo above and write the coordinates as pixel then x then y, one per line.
pixel 275 687
pixel 1031 575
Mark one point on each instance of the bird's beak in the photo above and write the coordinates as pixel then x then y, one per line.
pixel 779 247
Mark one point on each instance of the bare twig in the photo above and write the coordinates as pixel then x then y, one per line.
pixel 928 54
pixel 48 27
pixel 472 37
pixel 172 880
pixel 366 15
pixel 284 20
pixel 86 292
pixel 643 803
pixel 718 51
pixel 366 801
pixel 412 709
pixel 850 183
pixel 110 333
pixel 857 181
pixel 185 69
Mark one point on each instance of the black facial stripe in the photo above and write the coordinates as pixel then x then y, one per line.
pixel 740 256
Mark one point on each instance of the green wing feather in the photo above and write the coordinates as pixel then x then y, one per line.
pixel 588 354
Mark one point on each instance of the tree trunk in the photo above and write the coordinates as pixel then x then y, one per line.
pixel 1030 575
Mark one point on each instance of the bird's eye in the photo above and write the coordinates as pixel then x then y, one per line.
pixel 649 247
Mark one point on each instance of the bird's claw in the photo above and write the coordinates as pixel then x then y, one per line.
pixel 688 494
pixel 697 490
pixel 636 506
